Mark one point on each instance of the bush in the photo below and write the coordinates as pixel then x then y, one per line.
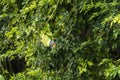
pixel 87 36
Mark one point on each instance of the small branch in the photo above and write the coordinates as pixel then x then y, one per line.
pixel 52 13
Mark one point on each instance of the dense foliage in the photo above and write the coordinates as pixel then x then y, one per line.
pixel 87 34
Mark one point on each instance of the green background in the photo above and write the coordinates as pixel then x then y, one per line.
pixel 87 33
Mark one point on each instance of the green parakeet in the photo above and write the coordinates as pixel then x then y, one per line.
pixel 47 37
pixel 47 40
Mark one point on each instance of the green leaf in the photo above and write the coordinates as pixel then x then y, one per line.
pixel 3 15
pixel 1 77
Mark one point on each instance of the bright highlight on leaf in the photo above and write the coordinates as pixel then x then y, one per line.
pixel 1 77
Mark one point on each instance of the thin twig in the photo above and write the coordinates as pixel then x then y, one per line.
pixel 53 12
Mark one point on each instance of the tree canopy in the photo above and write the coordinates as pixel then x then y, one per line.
pixel 86 33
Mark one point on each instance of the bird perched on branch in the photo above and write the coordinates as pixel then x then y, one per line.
pixel 48 40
